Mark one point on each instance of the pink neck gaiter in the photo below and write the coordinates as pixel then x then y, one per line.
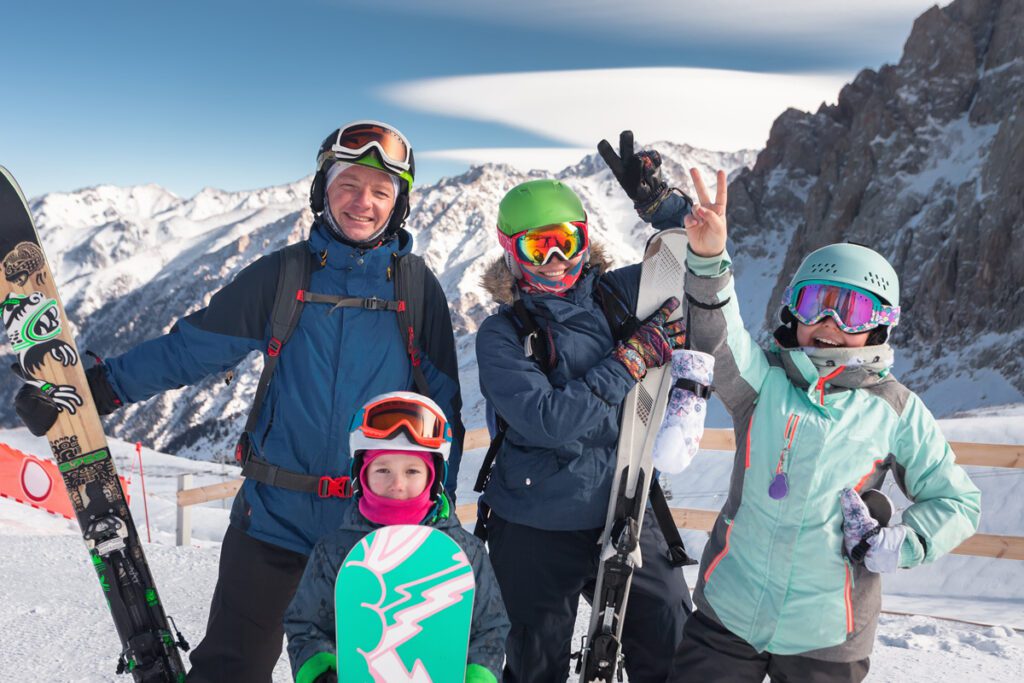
pixel 388 511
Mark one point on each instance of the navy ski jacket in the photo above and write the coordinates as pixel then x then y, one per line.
pixel 554 470
pixel 334 362
pixel 555 466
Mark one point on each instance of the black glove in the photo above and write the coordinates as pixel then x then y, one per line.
pixel 36 408
pixel 327 677
pixel 638 174
pixel 38 403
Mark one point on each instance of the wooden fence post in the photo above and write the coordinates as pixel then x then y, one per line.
pixel 183 534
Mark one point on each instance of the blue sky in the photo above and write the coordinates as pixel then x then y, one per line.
pixel 238 95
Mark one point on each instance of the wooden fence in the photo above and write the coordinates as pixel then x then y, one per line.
pixel 967 453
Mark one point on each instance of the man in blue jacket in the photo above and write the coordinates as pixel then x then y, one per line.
pixel 296 487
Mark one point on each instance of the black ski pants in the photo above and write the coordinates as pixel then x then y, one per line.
pixel 245 632
pixel 542 575
pixel 710 653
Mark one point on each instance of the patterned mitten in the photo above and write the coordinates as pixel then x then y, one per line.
pixel 679 437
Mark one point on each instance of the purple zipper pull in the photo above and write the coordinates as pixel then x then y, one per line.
pixel 779 487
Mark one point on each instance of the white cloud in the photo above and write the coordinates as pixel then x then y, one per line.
pixel 811 22
pixel 709 108
pixel 551 159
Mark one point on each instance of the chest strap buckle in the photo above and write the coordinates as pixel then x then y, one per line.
pixel 331 487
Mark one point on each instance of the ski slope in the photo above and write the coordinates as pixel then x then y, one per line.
pixel 55 627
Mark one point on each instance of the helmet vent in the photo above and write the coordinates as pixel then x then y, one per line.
pixel 824 268
pixel 876 280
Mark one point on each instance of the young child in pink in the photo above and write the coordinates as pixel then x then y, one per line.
pixel 399 443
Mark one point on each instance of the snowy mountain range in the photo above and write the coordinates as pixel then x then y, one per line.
pixel 920 160
pixel 132 261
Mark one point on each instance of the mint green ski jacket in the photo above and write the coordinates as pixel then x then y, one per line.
pixel 774 571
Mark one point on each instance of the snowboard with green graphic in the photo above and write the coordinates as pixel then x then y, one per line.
pixel 403 605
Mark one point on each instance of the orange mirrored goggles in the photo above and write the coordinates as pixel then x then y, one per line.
pixel 384 419
pixel 356 139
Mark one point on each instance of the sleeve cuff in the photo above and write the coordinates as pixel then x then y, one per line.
pixel 316 665
pixel 912 551
pixel 708 266
pixel 479 674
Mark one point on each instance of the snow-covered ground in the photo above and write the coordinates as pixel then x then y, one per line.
pixel 55 627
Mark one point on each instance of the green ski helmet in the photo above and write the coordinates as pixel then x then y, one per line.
pixel 851 264
pixel 537 203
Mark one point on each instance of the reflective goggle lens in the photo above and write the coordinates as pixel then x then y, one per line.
pixel 423 425
pixel 537 246
pixel 855 310
pixel 358 137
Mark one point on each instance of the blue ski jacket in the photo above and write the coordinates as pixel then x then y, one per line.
pixel 555 466
pixel 334 362
pixel 309 621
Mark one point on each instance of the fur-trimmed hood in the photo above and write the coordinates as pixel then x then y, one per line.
pixel 497 280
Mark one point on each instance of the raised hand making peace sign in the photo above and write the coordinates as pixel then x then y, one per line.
pixel 706 225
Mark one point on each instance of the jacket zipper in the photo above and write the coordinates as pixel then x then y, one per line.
pixel 822 380
pixel 750 428
pixel 720 555
pixel 848 598
pixel 788 436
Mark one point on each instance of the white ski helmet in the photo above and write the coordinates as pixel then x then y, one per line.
pixel 401 421
pixel 388 429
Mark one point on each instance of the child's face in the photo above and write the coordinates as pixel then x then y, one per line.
pixel 825 334
pixel 398 476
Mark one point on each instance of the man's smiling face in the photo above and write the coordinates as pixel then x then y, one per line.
pixel 361 200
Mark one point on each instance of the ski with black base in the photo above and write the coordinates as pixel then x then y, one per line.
pixel 662 276
pixel 37 328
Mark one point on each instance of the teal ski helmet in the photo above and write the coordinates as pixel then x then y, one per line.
pixel 851 264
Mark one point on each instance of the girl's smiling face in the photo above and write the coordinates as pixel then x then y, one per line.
pixel 825 334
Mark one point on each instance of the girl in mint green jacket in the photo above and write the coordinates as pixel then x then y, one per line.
pixel 819 420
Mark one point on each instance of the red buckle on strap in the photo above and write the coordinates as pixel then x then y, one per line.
pixel 274 346
pixel 330 487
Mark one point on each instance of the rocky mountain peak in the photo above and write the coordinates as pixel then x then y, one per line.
pixel 920 160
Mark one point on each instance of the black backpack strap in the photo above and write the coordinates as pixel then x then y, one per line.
pixel 537 341
pixel 620 316
pixel 483 510
pixel 410 274
pixel 371 303
pixel 677 556
pixel 293 275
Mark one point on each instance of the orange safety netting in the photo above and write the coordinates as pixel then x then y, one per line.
pixel 36 482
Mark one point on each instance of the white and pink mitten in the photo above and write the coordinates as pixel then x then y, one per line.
pixel 679 437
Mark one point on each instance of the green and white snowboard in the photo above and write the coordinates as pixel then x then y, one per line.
pixel 403 605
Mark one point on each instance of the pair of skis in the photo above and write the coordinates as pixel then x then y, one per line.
pixel 662 276
pixel 34 319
